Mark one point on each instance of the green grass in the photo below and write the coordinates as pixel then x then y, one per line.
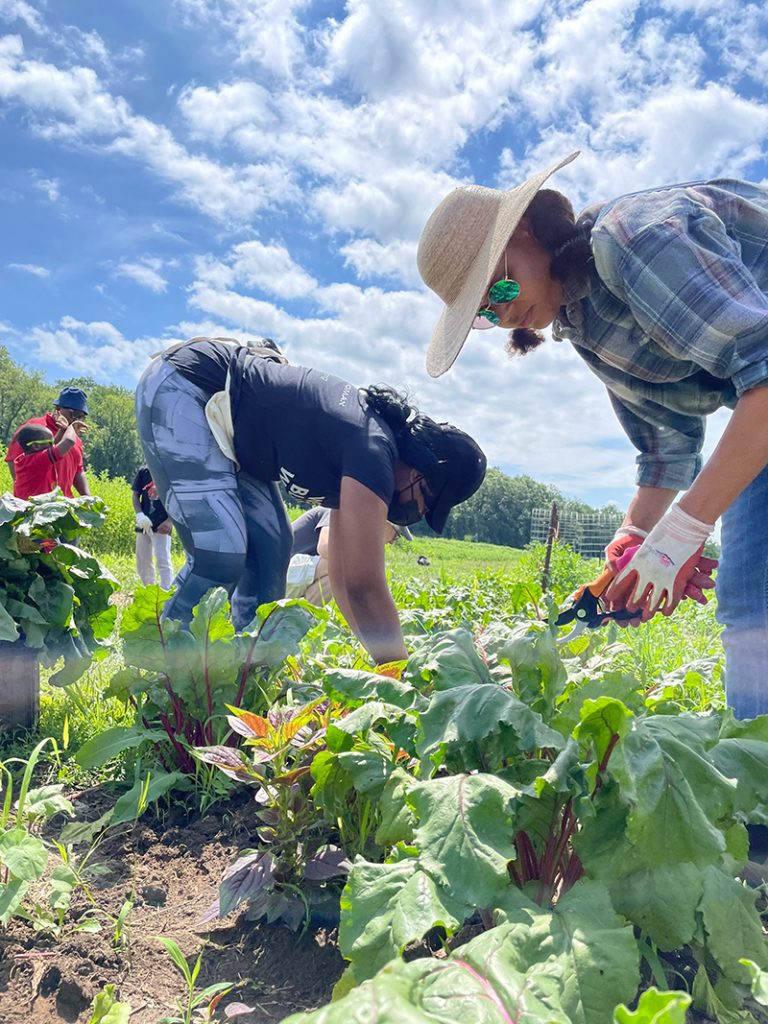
pixel 458 558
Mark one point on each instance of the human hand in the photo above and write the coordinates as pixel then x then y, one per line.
pixel 79 426
pixel 625 538
pixel 60 419
pixel 668 566
pixel 701 580
pixel 165 527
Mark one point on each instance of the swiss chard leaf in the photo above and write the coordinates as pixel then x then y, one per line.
pixel 384 907
pixel 480 726
pixel 448 659
pixel 464 830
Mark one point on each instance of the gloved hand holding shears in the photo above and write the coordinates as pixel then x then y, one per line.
pixel 587 610
pixel 668 566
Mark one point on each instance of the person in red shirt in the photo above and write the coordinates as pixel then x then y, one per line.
pixel 72 404
pixel 42 453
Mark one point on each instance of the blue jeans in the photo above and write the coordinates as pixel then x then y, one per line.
pixel 234 528
pixel 742 599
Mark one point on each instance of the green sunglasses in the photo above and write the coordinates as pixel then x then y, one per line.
pixel 504 290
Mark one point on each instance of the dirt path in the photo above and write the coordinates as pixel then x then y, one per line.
pixel 173 870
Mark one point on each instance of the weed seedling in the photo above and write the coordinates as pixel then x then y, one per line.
pixel 195 1006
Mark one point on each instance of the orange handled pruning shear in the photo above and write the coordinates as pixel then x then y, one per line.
pixel 586 610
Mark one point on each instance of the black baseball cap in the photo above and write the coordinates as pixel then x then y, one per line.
pixel 456 477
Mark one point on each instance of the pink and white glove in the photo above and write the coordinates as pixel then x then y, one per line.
pixel 626 537
pixel 668 560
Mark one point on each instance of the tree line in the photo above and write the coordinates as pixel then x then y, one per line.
pixel 498 513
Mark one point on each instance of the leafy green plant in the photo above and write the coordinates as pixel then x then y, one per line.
pixel 121 932
pixel 25 857
pixel 567 569
pixel 195 1006
pixel 107 1010
pixel 24 854
pixel 655 1007
pixel 286 876
pixel 545 800
pixel 54 597
pixel 181 681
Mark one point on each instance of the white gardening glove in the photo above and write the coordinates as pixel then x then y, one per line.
pixel 625 537
pixel 656 577
pixel 143 523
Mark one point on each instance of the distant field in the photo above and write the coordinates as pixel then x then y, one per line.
pixel 458 557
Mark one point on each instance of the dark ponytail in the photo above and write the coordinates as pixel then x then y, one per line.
pixel 553 223
pixel 416 435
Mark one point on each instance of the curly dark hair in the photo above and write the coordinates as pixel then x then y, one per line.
pixel 418 437
pixel 553 223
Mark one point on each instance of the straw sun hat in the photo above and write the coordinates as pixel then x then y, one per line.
pixel 459 248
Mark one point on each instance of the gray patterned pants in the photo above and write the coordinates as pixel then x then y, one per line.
pixel 234 528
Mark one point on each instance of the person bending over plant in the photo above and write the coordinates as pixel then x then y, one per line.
pixel 222 423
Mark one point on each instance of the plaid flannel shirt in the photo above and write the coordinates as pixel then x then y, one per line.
pixel 675 322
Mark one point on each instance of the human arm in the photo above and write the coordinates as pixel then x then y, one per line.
pixel 79 479
pixel 143 522
pixel 64 441
pixel 80 483
pixel 322 541
pixel 741 454
pixel 357 572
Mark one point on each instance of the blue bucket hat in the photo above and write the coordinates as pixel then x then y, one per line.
pixel 72 398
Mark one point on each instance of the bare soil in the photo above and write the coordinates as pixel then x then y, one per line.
pixel 172 868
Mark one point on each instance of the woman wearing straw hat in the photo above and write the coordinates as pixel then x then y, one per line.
pixel 664 294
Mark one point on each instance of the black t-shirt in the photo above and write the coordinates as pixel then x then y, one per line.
pixel 306 530
pixel 307 429
pixel 155 510
pixel 303 427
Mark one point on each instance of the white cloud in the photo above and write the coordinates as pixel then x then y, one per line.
pixel 372 259
pixel 72 106
pixel 95 349
pixel 30 268
pixel 146 273
pixel 265 33
pixel 271 268
pixel 215 113
pixel 19 10
pixel 51 187
pixel 255 265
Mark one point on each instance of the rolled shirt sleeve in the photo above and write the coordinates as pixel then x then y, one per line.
pixel 669 444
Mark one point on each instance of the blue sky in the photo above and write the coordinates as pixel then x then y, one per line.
pixel 264 167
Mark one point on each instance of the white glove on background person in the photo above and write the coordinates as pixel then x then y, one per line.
pixel 656 577
pixel 143 522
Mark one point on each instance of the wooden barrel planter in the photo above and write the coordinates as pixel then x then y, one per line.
pixel 19 686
